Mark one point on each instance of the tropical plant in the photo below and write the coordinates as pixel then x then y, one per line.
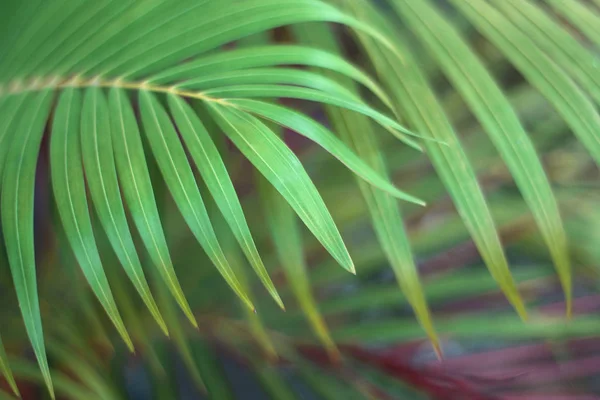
pixel 154 147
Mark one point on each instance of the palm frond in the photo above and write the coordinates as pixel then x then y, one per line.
pixel 154 112
pixel 116 47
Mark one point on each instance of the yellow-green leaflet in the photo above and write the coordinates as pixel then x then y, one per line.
pixel 385 213
pixel 541 71
pixel 18 182
pixel 215 176
pixel 557 42
pixel 83 371
pixel 136 186
pixel 232 251
pixel 178 335
pixel 65 385
pixel 272 381
pixel 285 234
pixel 413 95
pixel 493 109
pixel 580 14
pixel 71 201
pixel 282 168
pixel 177 173
pixel 6 371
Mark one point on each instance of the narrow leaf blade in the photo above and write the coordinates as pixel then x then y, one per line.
pixel 208 161
pixel 6 371
pixel 496 115
pixel 357 132
pixel 71 201
pixel 178 175
pixel 18 187
pixel 413 95
pixel 283 169
pixel 325 138
pixel 101 174
pixel 137 189
pixel 285 235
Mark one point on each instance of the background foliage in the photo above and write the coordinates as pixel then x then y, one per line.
pixel 170 156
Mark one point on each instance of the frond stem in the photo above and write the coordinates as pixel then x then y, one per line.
pixel 57 83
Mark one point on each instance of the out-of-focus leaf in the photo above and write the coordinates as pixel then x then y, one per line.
pixel 139 194
pixel 322 382
pixel 215 175
pixel 101 176
pixel 282 168
pixel 286 237
pixel 18 186
pixel 178 335
pixel 558 43
pixel 414 96
pixel 232 252
pixel 5 396
pixel 178 175
pixel 493 109
pixel 140 334
pixel 272 382
pixel 580 14
pixel 385 215
pixel 83 371
pixel 65 386
pixel 6 371
pixel 501 326
pixel 71 201
pixel 541 71
pixel 448 288
pixel 216 382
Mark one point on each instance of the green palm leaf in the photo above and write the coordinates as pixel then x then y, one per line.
pixel 285 235
pixel 70 195
pixel 101 174
pixel 383 209
pixel 556 42
pixel 414 96
pixel 496 115
pixel 285 172
pixel 560 90
pixel 350 103
pixel 17 217
pixel 580 14
pixel 135 183
pixel 88 78
pixel 171 158
pixel 215 175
